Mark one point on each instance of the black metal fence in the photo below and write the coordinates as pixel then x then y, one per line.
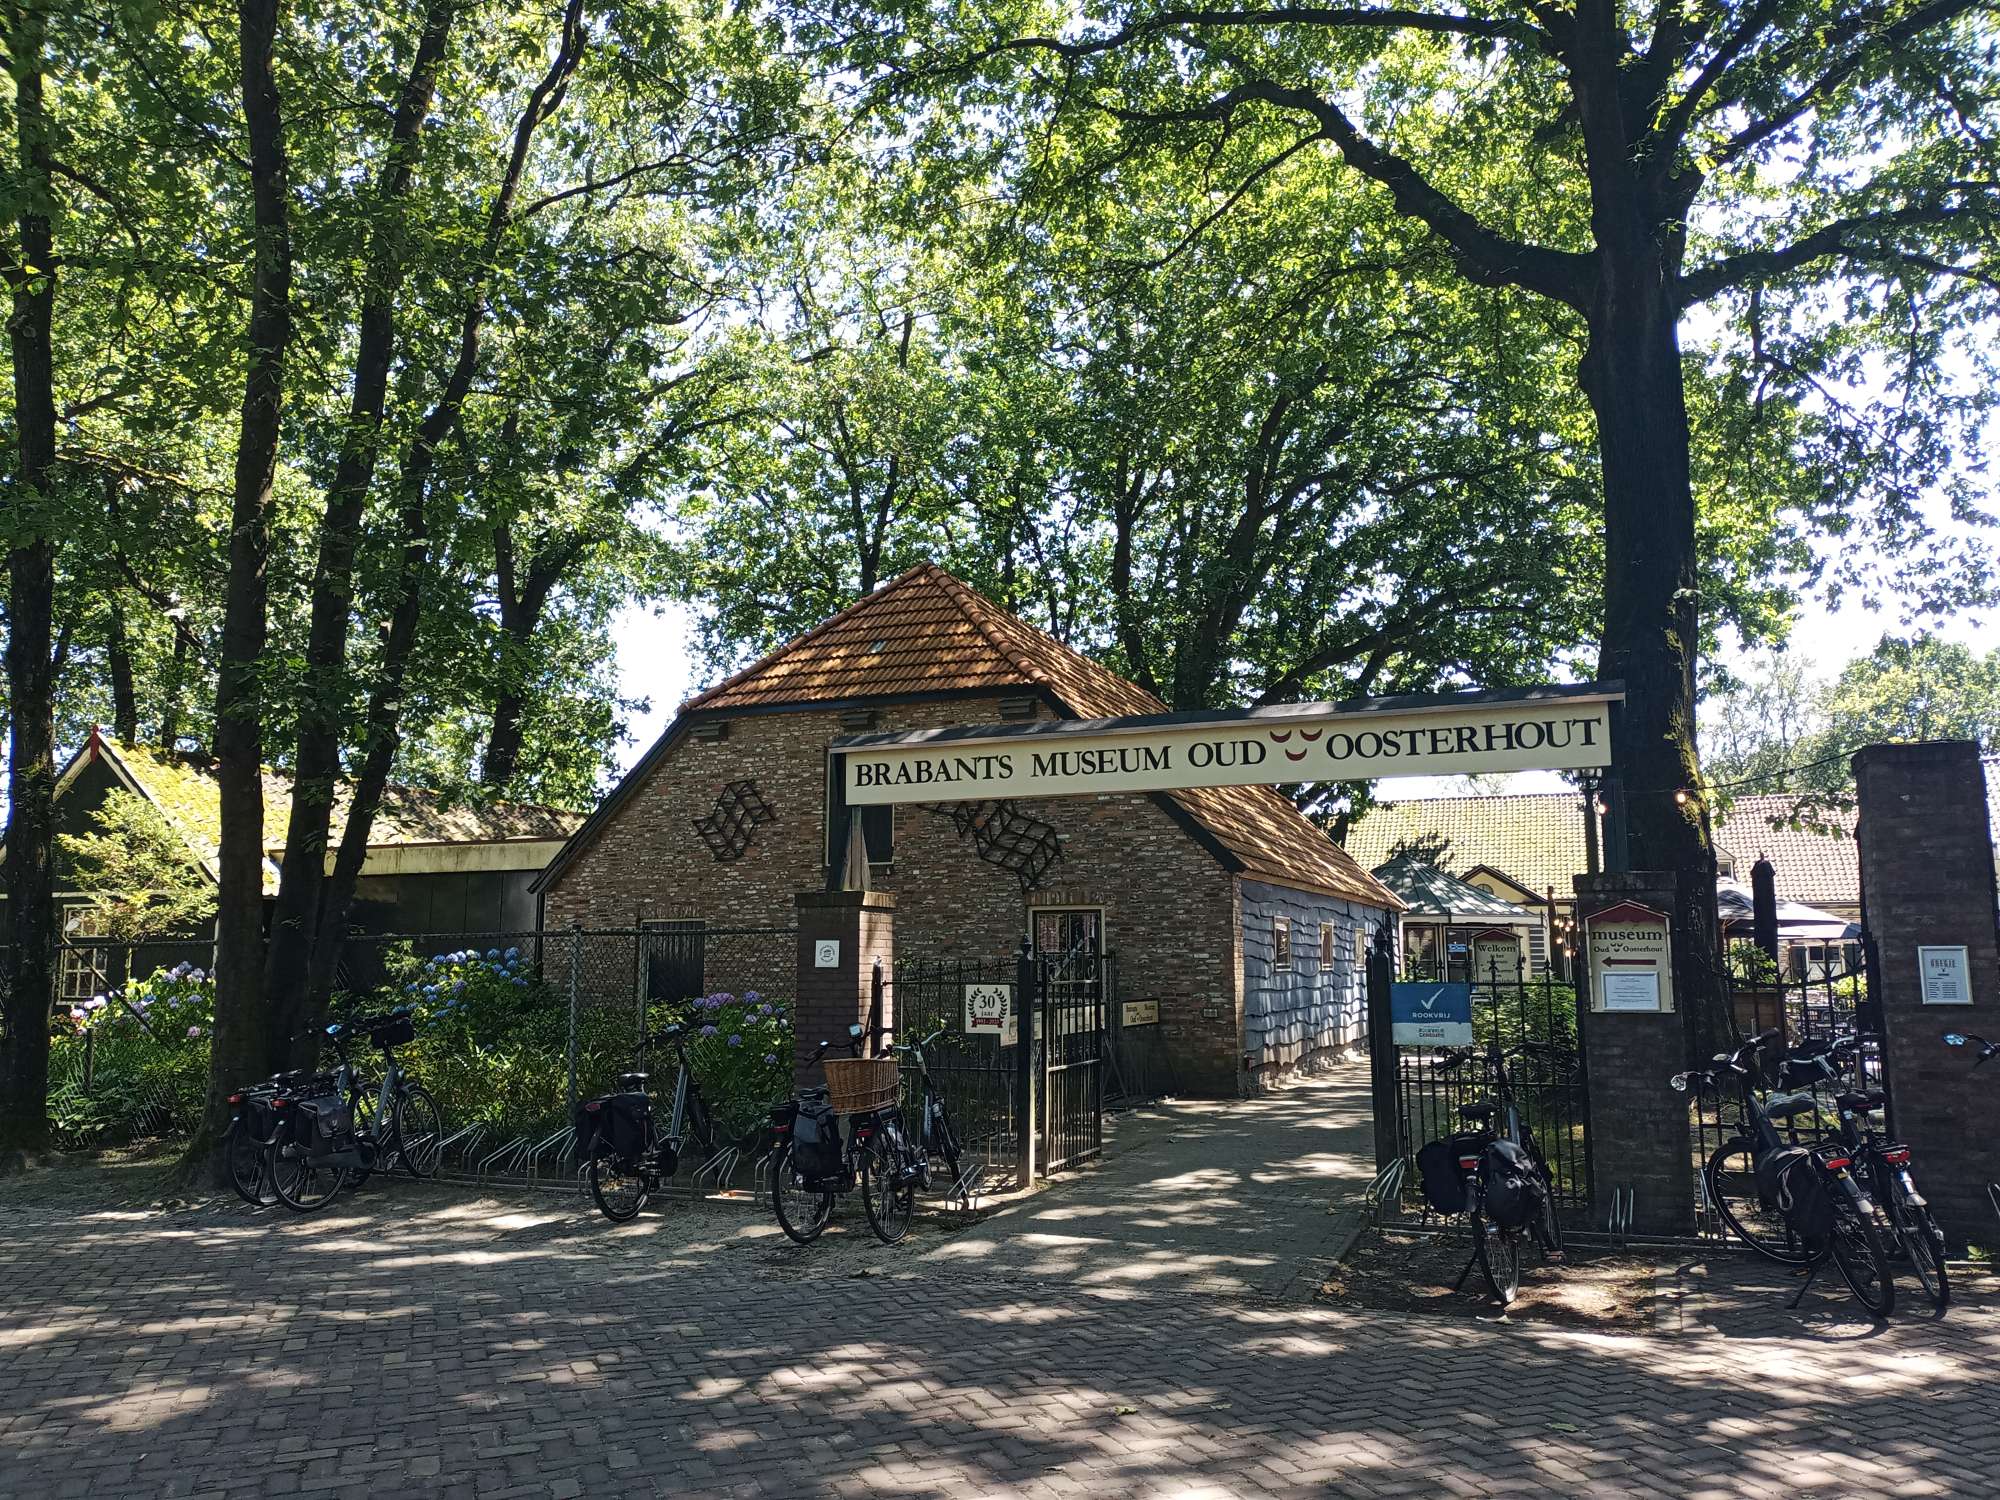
pixel 975 1066
pixel 1546 1076
pixel 1805 1009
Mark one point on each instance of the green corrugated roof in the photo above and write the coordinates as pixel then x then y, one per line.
pixel 1431 892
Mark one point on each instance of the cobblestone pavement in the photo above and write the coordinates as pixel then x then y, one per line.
pixel 1198 1196
pixel 420 1340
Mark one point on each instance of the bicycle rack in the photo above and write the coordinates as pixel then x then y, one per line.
pixel 541 1148
pixel 1385 1192
pixel 1618 1223
pixel 509 1154
pixel 718 1169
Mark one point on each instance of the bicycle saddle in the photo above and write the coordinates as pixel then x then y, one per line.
pixel 1784 1106
pixel 631 1080
pixel 1478 1109
pixel 1863 1103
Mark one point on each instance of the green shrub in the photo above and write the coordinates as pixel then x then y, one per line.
pixel 133 1062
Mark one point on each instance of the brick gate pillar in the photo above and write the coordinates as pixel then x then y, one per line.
pixel 1927 882
pixel 841 935
pixel 1639 1137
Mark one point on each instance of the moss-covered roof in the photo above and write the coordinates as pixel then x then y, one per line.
pixel 184 788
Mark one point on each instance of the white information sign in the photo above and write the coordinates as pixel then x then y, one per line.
pixel 989 1011
pixel 1946 975
pixel 1549 728
pixel 1631 990
pixel 1631 958
pixel 826 953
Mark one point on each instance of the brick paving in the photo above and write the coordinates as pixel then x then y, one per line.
pixel 422 1341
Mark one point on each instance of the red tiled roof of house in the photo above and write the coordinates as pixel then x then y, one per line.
pixel 928 632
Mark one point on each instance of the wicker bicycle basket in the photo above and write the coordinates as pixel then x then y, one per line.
pixel 858 1084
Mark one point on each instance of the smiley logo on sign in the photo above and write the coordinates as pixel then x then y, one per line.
pixel 1282 738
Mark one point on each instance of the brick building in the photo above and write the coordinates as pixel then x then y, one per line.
pixel 1225 905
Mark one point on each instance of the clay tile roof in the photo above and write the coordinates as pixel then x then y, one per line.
pixel 1537 840
pixel 927 632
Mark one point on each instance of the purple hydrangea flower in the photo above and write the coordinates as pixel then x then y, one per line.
pixel 770 1057
pixel 193 1031
pixel 735 1041
pixel 709 1030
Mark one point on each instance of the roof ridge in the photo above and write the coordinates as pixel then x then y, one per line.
pixel 798 641
pixel 970 605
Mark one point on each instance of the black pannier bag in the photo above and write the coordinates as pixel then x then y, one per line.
pixel 1443 1177
pixel 1514 1189
pixel 1789 1180
pixel 331 1124
pixel 816 1141
pixel 612 1125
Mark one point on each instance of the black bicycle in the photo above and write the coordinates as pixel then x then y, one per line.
pixel 1764 1197
pixel 811 1164
pixel 253 1127
pixel 1508 1190
pixel 338 1139
pixel 1986 1050
pixel 627 1157
pixel 895 1166
pixel 1885 1165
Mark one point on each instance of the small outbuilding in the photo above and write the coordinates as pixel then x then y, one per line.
pixel 1455 930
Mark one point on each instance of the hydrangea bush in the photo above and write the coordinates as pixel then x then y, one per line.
pixel 144 1051
pixel 741 1051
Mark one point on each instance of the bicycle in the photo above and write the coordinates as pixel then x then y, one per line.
pixel 338 1140
pixel 1886 1163
pixel 246 1144
pixel 1986 1050
pixel 1496 1246
pixel 626 1157
pixel 895 1167
pixel 802 1199
pixel 1761 1219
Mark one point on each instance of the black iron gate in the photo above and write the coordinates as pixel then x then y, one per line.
pixel 1534 1022
pixel 1073 989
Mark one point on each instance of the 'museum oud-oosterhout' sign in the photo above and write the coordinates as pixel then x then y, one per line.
pixel 1555 729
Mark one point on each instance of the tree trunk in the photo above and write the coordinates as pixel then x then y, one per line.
pixel 118 657
pixel 30 871
pixel 295 917
pixel 1632 376
pixel 170 695
pixel 241 1018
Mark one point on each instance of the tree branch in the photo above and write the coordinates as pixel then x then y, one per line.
pixel 1756 266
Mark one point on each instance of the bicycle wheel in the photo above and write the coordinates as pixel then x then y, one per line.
pixel 944 1143
pixel 1545 1226
pixel 888 1199
pixel 298 1183
pixel 248 1173
pixel 802 1213
pixel 1499 1254
pixel 419 1132
pixel 1731 1179
pixel 618 1188
pixel 365 1136
pixel 1856 1249
pixel 1919 1237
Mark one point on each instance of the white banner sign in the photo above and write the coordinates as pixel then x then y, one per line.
pixel 1304 742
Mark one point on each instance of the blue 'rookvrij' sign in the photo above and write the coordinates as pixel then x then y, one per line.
pixel 1425 1013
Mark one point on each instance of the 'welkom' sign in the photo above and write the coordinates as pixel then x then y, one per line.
pixel 1554 728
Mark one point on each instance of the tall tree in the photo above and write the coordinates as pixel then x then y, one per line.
pixel 324 693
pixel 30 521
pixel 241 1027
pixel 1629 166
